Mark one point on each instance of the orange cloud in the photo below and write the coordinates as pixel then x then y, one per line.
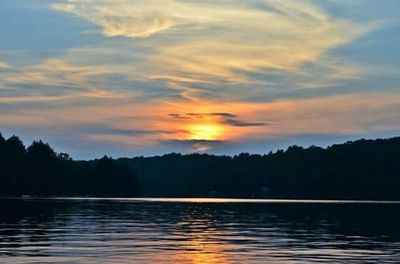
pixel 149 124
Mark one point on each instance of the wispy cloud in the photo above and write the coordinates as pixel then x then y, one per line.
pixel 125 18
pixel 238 123
pixel 4 65
pixel 224 118
pixel 56 72
pixel 241 37
pixel 110 129
pixel 196 145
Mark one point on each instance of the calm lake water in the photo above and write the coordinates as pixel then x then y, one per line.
pixel 197 231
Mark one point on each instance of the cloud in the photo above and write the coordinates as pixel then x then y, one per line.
pixel 247 45
pixel 99 71
pixel 197 146
pixel 56 72
pixel 179 116
pixel 124 18
pixel 238 123
pixel 108 129
pixel 45 96
pixel 225 118
pixel 225 115
pixel 4 65
pixel 241 37
pixel 146 126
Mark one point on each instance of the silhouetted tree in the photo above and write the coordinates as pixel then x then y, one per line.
pixel 112 179
pixel 12 169
pixel 39 170
pixel 363 169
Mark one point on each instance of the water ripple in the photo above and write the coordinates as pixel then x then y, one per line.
pixel 152 231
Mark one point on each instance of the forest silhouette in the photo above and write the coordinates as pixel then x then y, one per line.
pixel 362 169
pixel 39 170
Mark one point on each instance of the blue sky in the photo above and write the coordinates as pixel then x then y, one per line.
pixel 133 77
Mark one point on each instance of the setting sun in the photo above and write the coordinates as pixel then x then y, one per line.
pixel 205 132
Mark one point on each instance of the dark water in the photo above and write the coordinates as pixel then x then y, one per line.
pixel 197 231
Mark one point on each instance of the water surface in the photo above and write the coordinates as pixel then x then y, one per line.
pixel 198 231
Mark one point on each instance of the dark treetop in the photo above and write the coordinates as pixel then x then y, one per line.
pixel 364 169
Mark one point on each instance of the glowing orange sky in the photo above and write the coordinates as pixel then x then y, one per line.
pixel 129 78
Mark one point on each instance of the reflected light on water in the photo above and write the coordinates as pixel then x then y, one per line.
pixel 201 247
pixel 197 231
pixel 199 251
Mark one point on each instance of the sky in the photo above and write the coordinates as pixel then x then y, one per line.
pixel 148 77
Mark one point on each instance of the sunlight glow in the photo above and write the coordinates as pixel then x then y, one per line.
pixel 205 132
pixel 126 77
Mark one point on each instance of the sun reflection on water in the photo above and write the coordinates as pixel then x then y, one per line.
pixel 201 244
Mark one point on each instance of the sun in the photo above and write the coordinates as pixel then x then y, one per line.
pixel 205 132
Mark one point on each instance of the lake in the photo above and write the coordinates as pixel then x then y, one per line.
pixel 197 231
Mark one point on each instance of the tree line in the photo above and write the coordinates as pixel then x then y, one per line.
pixel 39 170
pixel 363 169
